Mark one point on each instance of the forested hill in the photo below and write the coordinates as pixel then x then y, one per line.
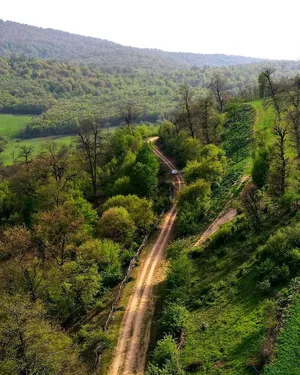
pixel 48 43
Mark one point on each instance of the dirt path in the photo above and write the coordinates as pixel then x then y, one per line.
pixel 224 217
pixel 130 354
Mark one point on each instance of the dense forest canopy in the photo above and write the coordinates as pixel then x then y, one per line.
pixel 63 94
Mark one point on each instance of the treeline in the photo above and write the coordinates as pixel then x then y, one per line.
pixel 62 95
pixel 71 220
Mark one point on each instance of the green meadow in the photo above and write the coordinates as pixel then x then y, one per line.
pixel 10 128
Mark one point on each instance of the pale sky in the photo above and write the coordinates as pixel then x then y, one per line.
pixel 257 28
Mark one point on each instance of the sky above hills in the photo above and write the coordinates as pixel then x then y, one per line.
pixel 256 28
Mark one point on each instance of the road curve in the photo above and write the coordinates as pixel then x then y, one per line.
pixel 131 350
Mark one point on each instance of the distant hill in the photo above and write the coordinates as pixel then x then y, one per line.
pixel 48 43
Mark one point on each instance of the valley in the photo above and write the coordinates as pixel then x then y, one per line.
pixel 149 209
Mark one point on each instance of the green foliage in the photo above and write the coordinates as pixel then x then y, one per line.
pixel 210 166
pixel 179 279
pixel 106 255
pixel 116 224
pixel 260 167
pixel 280 256
pixel 193 203
pixel 174 319
pixel 30 344
pixel 140 209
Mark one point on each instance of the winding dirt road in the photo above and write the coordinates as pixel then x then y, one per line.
pixel 131 351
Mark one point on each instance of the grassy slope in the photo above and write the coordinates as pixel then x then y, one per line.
pixel 11 125
pixel 288 347
pixel 224 293
pixel 226 298
pixel 232 309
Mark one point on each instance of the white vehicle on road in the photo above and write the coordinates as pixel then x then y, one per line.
pixel 174 171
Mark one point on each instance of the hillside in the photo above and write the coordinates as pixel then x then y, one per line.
pixel 48 43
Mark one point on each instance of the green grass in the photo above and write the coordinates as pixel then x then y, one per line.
pixel 225 297
pixel 10 125
pixel 288 346
pixel 264 120
pixel 12 148
pixel 237 143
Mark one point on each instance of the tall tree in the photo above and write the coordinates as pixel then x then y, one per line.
pixel 91 141
pixel 279 170
pixel 187 106
pixel 293 114
pixel 130 112
pixel 217 88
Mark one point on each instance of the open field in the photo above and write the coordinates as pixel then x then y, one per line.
pixel 10 125
pixel 13 146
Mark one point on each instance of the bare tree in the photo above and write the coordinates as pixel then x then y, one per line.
pixel 130 112
pixel 175 118
pixel 273 91
pixel 217 88
pixel 187 104
pixel 293 114
pixel 91 140
pixel 281 131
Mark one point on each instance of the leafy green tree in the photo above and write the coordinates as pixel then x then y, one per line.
pixel 140 209
pixel 209 168
pixel 104 253
pixel 31 345
pixel 260 167
pixel 116 224
pixel 72 290
pixel 60 230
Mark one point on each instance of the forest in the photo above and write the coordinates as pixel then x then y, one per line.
pixel 215 149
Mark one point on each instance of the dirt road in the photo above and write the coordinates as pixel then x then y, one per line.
pixel 130 354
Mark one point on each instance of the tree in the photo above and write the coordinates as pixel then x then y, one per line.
pixel 279 165
pixel 262 81
pixel 174 117
pixel 140 209
pixel 59 230
pixel 209 168
pixel 25 154
pixel 19 244
pixel 253 204
pixel 29 344
pixel 130 112
pixel 208 119
pixel 91 142
pixel 165 351
pixel 293 114
pixel 187 107
pixel 217 87
pixel 261 166
pixel 116 224
pixel 143 176
pixel 72 290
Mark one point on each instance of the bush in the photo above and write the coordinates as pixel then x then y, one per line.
pixel 174 319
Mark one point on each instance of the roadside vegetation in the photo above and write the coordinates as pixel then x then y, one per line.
pixel 231 302
pixel 77 200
